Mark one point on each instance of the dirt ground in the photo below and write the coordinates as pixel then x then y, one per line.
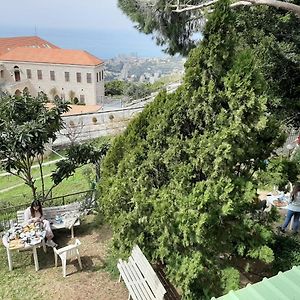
pixel 93 282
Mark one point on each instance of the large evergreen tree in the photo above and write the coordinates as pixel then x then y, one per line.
pixel 272 33
pixel 180 181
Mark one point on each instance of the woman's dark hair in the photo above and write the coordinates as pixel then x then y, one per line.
pixel 36 203
pixel 295 190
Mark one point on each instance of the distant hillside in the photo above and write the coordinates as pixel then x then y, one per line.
pixel 138 69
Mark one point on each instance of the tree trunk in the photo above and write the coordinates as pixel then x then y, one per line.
pixel 40 161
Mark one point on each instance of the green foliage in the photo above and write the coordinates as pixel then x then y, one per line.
pixel 272 33
pixel 111 261
pixel 286 251
pixel 296 158
pixel 89 174
pixel 179 182
pixel 26 125
pixel 230 279
pixel 137 91
pixel 78 155
pixel 275 37
pixel 174 31
pixel 279 172
pixel 263 253
pixel 130 89
pixel 115 87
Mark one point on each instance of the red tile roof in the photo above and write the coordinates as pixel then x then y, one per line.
pixel 51 56
pixel 9 43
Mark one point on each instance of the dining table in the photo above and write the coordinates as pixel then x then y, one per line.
pixel 21 237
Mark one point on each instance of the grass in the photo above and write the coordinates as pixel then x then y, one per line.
pixel 11 180
pixel 51 156
pixel 23 194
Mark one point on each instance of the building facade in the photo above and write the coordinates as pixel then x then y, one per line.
pixel 73 75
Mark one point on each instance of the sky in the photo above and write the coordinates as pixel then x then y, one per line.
pixel 77 24
pixel 97 14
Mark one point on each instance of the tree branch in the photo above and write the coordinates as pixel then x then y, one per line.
pixel 16 174
pixel 195 7
pixel 273 3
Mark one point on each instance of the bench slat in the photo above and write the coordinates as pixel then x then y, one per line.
pixel 136 281
pixel 122 266
pixel 147 292
pixel 140 278
pixel 148 271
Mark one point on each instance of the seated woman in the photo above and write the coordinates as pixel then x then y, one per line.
pixel 34 214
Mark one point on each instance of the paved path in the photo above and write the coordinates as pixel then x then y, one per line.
pixel 35 166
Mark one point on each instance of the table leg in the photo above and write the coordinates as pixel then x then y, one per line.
pixel 9 258
pixel 35 258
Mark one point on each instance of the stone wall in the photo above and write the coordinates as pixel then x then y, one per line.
pixel 92 125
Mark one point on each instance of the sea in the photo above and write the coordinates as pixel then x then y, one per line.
pixel 104 44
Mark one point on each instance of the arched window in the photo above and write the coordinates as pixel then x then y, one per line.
pixel 17 73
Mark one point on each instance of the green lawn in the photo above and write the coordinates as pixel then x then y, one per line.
pixel 11 180
pixel 47 158
pixel 22 194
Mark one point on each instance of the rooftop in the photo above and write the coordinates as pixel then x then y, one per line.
pixel 9 43
pixel 51 56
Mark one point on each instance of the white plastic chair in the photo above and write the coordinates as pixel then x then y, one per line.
pixel 67 252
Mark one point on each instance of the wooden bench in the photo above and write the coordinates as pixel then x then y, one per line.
pixel 140 278
pixel 69 214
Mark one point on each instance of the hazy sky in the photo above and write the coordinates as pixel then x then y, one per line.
pixel 97 26
pixel 63 14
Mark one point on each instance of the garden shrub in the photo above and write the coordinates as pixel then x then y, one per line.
pixel 179 182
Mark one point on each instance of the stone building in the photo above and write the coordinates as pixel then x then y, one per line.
pixel 36 65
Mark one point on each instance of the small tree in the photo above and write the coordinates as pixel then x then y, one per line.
pixel 26 125
pixel 78 155
pixel 73 131
pixel 115 87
